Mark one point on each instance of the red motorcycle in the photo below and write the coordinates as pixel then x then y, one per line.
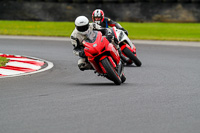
pixel 127 47
pixel 104 57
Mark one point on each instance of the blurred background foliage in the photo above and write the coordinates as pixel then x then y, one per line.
pixel 108 1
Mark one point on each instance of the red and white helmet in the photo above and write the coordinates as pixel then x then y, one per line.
pixel 98 16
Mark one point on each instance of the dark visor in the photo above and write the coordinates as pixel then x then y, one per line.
pixel 97 18
pixel 82 28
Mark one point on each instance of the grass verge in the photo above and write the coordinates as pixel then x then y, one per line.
pixel 3 61
pixel 145 31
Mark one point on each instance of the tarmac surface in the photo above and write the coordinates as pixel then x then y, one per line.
pixel 161 96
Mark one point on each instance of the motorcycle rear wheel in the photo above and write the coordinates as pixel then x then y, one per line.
pixel 131 56
pixel 111 72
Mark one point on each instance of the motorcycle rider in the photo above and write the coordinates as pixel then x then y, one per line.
pixel 98 17
pixel 83 30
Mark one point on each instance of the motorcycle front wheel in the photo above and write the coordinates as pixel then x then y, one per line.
pixel 111 72
pixel 131 56
pixel 123 78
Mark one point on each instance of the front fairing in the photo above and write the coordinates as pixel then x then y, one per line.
pixel 93 46
pixel 99 47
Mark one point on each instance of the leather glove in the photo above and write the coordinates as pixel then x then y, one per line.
pixel 126 32
pixel 109 37
pixel 116 40
pixel 82 54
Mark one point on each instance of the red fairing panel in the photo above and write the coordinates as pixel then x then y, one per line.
pixel 115 32
pixel 114 53
pixel 100 48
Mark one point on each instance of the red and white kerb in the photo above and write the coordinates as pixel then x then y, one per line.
pixel 19 65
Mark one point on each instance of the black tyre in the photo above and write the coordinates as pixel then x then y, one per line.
pixel 131 56
pixel 111 72
pixel 123 78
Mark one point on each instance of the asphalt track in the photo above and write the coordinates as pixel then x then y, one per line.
pixel 162 96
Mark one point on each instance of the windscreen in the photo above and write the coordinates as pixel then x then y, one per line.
pixel 91 36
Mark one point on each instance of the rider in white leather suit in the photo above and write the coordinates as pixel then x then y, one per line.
pixel 83 30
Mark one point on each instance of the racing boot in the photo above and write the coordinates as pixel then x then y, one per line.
pixel 83 64
pixel 124 59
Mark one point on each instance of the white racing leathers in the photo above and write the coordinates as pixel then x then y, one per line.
pixel 76 40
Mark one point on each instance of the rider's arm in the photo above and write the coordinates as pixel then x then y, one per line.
pixel 78 49
pixel 105 31
pixel 97 27
pixel 117 25
pixel 113 23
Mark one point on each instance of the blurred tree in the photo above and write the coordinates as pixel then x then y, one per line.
pixel 50 0
pixel 126 1
pixel 65 1
pixel 169 0
pixel 155 0
pixel 107 1
pixel 140 0
pixel 79 1
pixel 196 1
pixel 95 1
pixel 184 1
pixel 110 1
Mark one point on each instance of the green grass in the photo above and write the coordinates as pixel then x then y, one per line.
pixel 36 28
pixel 3 61
pixel 146 31
pixel 164 31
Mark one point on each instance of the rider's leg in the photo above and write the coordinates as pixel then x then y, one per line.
pixel 83 64
pixel 124 59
